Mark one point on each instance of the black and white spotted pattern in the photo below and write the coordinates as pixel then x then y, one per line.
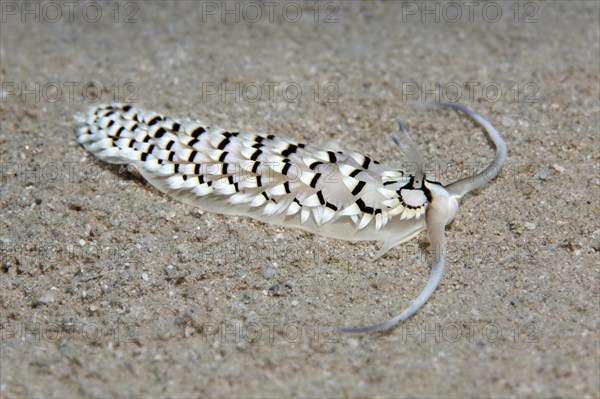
pixel 271 178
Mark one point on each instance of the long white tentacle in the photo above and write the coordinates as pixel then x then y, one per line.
pixel 468 184
pixel 436 223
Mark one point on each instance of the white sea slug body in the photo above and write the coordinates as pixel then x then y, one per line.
pixel 343 195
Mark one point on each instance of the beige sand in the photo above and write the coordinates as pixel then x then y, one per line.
pixel 109 288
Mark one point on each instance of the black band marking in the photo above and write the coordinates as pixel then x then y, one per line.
pixel 290 150
pixel 223 143
pixel 363 207
pixel 355 172
pixel 314 180
pixel 197 132
pixel 366 163
pixel 255 155
pixel 154 120
pixel 331 206
pixel 320 197
pixel 332 157
pixel 359 187
pixel 159 133
pixel 313 165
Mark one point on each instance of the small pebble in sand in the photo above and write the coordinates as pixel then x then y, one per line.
pixel 507 122
pixel 48 298
pixel 268 273
pixel 530 226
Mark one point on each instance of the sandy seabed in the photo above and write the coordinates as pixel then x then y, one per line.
pixel 109 288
